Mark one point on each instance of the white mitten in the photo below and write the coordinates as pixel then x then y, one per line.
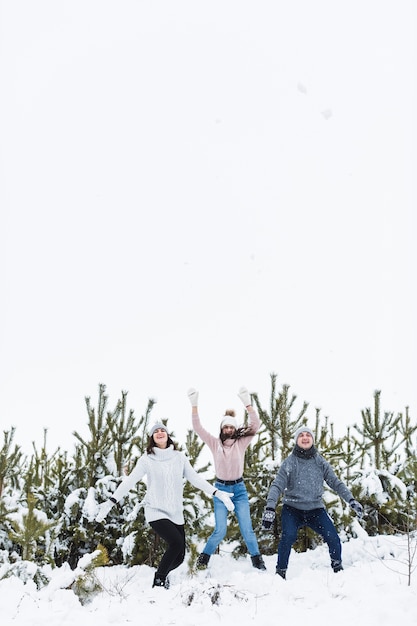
pixel 244 395
pixel 193 396
pixel 104 510
pixel 225 498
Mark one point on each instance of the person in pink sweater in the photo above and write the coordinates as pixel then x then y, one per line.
pixel 228 449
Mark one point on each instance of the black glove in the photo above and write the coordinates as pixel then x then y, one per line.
pixel 268 518
pixel 357 507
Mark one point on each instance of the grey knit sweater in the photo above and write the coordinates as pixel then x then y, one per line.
pixel 301 480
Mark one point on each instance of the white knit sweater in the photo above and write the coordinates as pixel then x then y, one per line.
pixel 165 472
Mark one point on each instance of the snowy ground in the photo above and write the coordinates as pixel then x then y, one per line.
pixel 373 589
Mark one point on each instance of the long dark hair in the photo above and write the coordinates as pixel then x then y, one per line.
pixel 151 444
pixel 242 431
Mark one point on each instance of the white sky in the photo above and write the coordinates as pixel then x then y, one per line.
pixel 200 194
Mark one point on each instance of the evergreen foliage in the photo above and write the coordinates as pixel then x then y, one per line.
pixel 7 514
pixel 86 585
pixel 32 533
pixel 24 570
pixel 279 424
pixel 94 453
pixel 382 477
pixel 11 461
pixel 379 434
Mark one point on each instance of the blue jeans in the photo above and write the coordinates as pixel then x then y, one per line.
pixel 316 519
pixel 242 511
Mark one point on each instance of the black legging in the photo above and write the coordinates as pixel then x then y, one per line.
pixel 174 535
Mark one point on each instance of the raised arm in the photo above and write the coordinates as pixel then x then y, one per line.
pixel 204 435
pixel 254 421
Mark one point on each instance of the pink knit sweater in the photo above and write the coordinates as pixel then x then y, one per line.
pixel 228 456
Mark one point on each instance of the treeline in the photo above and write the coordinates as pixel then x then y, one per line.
pixel 48 502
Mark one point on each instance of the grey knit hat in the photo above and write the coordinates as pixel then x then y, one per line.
pixel 155 427
pixel 303 429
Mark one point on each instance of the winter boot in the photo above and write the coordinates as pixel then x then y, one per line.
pixel 258 562
pixel 281 572
pixel 203 560
pixel 337 566
pixel 160 581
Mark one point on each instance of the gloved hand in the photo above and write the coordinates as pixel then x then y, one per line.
pixel 268 518
pixel 357 507
pixel 104 509
pixel 193 396
pixel 244 395
pixel 225 498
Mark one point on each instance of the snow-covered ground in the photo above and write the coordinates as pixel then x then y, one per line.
pixel 373 589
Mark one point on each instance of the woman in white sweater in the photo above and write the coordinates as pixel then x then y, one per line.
pixel 165 468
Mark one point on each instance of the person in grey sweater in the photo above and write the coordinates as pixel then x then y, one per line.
pixel 165 469
pixel 300 480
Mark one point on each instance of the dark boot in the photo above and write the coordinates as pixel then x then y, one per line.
pixel 258 562
pixel 337 566
pixel 203 560
pixel 281 572
pixel 160 581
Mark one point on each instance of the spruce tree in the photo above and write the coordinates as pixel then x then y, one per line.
pixel 408 465
pixel 31 534
pixel 100 463
pixel 11 462
pixel 379 433
pixel 124 430
pixel 279 424
pixel 50 478
pixel 94 452
pixel 380 445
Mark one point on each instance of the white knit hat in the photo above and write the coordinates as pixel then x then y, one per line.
pixel 303 429
pixel 155 427
pixel 228 420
